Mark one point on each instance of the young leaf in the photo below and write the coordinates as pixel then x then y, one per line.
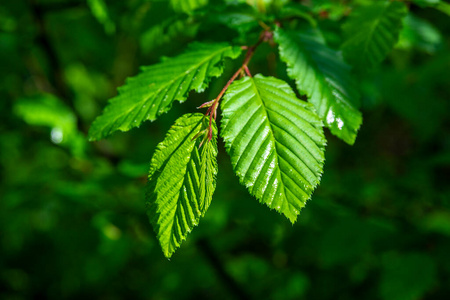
pixel 182 179
pixel 275 141
pixel 297 10
pixel 153 91
pixel 187 6
pixel 321 74
pixel 371 32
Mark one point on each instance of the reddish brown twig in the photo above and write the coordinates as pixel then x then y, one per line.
pixel 212 105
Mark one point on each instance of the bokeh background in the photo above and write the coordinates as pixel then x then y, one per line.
pixel 72 213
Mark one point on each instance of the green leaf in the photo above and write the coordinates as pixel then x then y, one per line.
pixel 443 7
pixel 371 32
pixel 420 34
pixel 427 3
pixel 333 10
pixel 240 17
pixel 264 6
pixel 208 171
pixel 49 111
pixel 153 91
pixel 172 29
pixel 322 75
pixel 275 141
pixel 182 179
pixel 437 4
pixel 99 10
pixel 296 10
pixel 187 6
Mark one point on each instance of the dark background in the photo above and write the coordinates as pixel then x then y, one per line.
pixel 72 213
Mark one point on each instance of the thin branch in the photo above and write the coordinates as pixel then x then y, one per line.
pixel 247 71
pixel 212 105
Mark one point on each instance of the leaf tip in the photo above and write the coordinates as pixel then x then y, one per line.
pixel 293 219
pixel 92 137
pixel 168 254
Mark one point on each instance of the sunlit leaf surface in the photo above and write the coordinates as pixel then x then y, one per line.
pixel 275 141
pixel 324 78
pixel 182 179
pixel 153 91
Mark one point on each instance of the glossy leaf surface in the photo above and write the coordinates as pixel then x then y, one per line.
pixel 152 92
pixel 371 31
pixel 275 141
pixel 182 179
pixel 322 75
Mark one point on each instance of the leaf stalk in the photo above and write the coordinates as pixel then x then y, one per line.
pixel 212 105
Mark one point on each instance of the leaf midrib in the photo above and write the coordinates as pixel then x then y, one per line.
pixel 273 141
pixel 375 26
pixel 315 66
pixel 168 83
pixel 171 221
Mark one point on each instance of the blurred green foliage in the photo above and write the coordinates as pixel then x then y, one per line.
pixel 72 215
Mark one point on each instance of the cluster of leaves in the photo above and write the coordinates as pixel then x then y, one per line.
pixel 71 221
pixel 275 139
